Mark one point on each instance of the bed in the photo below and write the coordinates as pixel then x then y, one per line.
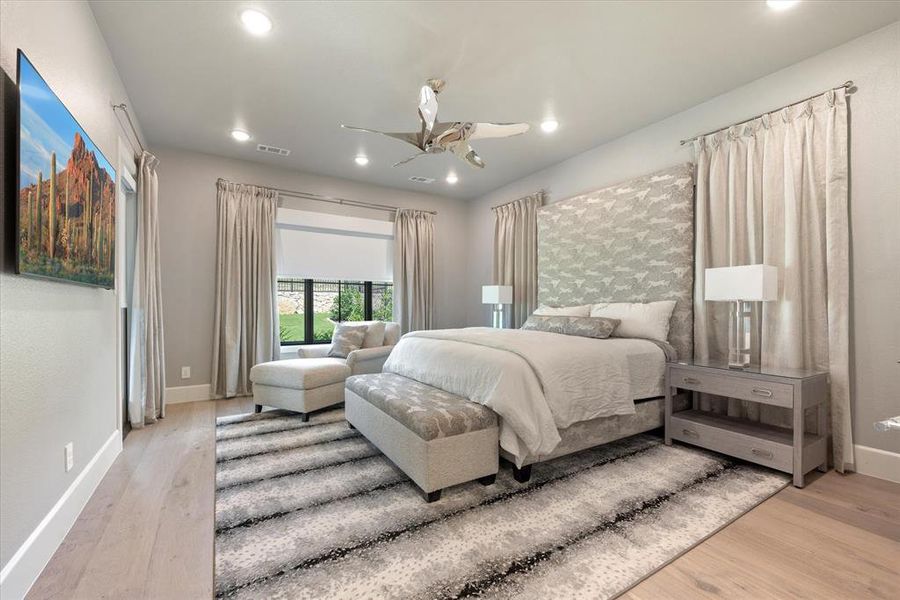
pixel 556 394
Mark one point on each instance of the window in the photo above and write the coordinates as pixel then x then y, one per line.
pixel 309 308
pixel 331 268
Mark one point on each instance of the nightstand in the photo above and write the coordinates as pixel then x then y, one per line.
pixel 790 450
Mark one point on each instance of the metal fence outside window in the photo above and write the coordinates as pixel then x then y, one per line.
pixel 309 308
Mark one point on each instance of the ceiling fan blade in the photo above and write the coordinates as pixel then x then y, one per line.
pixel 411 158
pixel 482 131
pixel 409 138
pixel 465 152
pixel 473 159
pixel 428 108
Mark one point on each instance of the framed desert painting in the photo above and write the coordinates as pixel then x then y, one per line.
pixel 66 191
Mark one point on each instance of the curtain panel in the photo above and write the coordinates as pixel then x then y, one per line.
pixel 414 269
pixel 515 253
pixel 246 317
pixel 775 191
pixel 146 368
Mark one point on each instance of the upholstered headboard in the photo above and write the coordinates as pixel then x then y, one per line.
pixel 632 242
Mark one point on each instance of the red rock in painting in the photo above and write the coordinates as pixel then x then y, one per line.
pixel 80 220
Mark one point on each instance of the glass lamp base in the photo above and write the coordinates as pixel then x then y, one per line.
pixel 498 317
pixel 738 360
pixel 739 336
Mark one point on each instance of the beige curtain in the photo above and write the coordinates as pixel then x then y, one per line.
pixel 246 320
pixel 146 368
pixel 414 269
pixel 774 191
pixel 515 253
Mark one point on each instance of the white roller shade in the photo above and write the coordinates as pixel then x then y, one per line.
pixel 325 246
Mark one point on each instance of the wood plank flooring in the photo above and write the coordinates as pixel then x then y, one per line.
pixel 148 531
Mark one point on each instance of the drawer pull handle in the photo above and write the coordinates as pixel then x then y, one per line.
pixel 691 380
pixel 689 432
pixel 762 392
pixel 763 453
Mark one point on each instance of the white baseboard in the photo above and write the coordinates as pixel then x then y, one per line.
pixel 23 569
pixel 877 463
pixel 188 393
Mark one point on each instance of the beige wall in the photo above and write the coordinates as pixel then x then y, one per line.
pixel 187 214
pixel 873 62
pixel 57 341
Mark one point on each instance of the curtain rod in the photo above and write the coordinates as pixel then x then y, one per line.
pixel 847 85
pixel 124 108
pixel 542 192
pixel 334 199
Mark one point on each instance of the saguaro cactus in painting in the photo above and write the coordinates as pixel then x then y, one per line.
pixel 40 211
pixel 51 209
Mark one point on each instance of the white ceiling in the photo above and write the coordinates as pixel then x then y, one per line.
pixel 602 69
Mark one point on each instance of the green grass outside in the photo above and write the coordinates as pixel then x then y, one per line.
pixel 292 328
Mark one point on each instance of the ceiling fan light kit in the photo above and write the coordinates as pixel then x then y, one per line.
pixel 435 137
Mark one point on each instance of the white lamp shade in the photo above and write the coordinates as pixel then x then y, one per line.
pixel 751 283
pixel 496 294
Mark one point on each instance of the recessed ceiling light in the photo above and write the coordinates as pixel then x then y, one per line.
pixel 239 135
pixel 549 125
pixel 255 22
pixel 452 178
pixel 781 4
pixel 362 160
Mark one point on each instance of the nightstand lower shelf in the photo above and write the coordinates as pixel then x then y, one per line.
pixel 766 445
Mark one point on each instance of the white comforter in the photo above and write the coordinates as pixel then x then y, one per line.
pixel 537 382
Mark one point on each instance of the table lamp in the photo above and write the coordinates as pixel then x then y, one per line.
pixel 498 295
pixel 741 286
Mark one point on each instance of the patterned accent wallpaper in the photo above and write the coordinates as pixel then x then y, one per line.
pixel 631 242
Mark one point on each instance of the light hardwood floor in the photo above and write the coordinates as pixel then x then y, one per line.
pixel 148 532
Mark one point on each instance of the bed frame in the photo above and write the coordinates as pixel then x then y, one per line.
pixel 648 415
pixel 631 242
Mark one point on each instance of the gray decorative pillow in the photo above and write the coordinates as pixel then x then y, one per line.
pixel 591 327
pixel 346 339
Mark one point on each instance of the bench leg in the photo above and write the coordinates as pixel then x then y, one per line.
pixel 522 475
pixel 488 479
pixel 304 417
pixel 257 408
pixel 432 496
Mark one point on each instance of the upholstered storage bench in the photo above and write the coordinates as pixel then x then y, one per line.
pixel 302 384
pixel 437 438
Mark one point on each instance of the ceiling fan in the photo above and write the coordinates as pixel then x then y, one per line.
pixel 435 137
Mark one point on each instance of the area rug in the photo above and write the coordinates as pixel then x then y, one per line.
pixel 312 510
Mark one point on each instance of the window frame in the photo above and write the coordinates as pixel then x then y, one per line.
pixel 309 305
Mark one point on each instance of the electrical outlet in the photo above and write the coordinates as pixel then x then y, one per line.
pixel 185 372
pixel 70 456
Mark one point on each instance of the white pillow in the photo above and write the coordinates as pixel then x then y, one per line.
pixel 638 320
pixel 563 311
pixel 374 333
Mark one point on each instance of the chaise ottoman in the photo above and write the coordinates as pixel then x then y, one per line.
pixel 437 438
pixel 301 385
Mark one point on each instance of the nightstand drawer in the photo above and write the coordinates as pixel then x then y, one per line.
pixel 733 443
pixel 734 386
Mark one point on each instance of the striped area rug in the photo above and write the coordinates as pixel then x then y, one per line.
pixel 312 510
